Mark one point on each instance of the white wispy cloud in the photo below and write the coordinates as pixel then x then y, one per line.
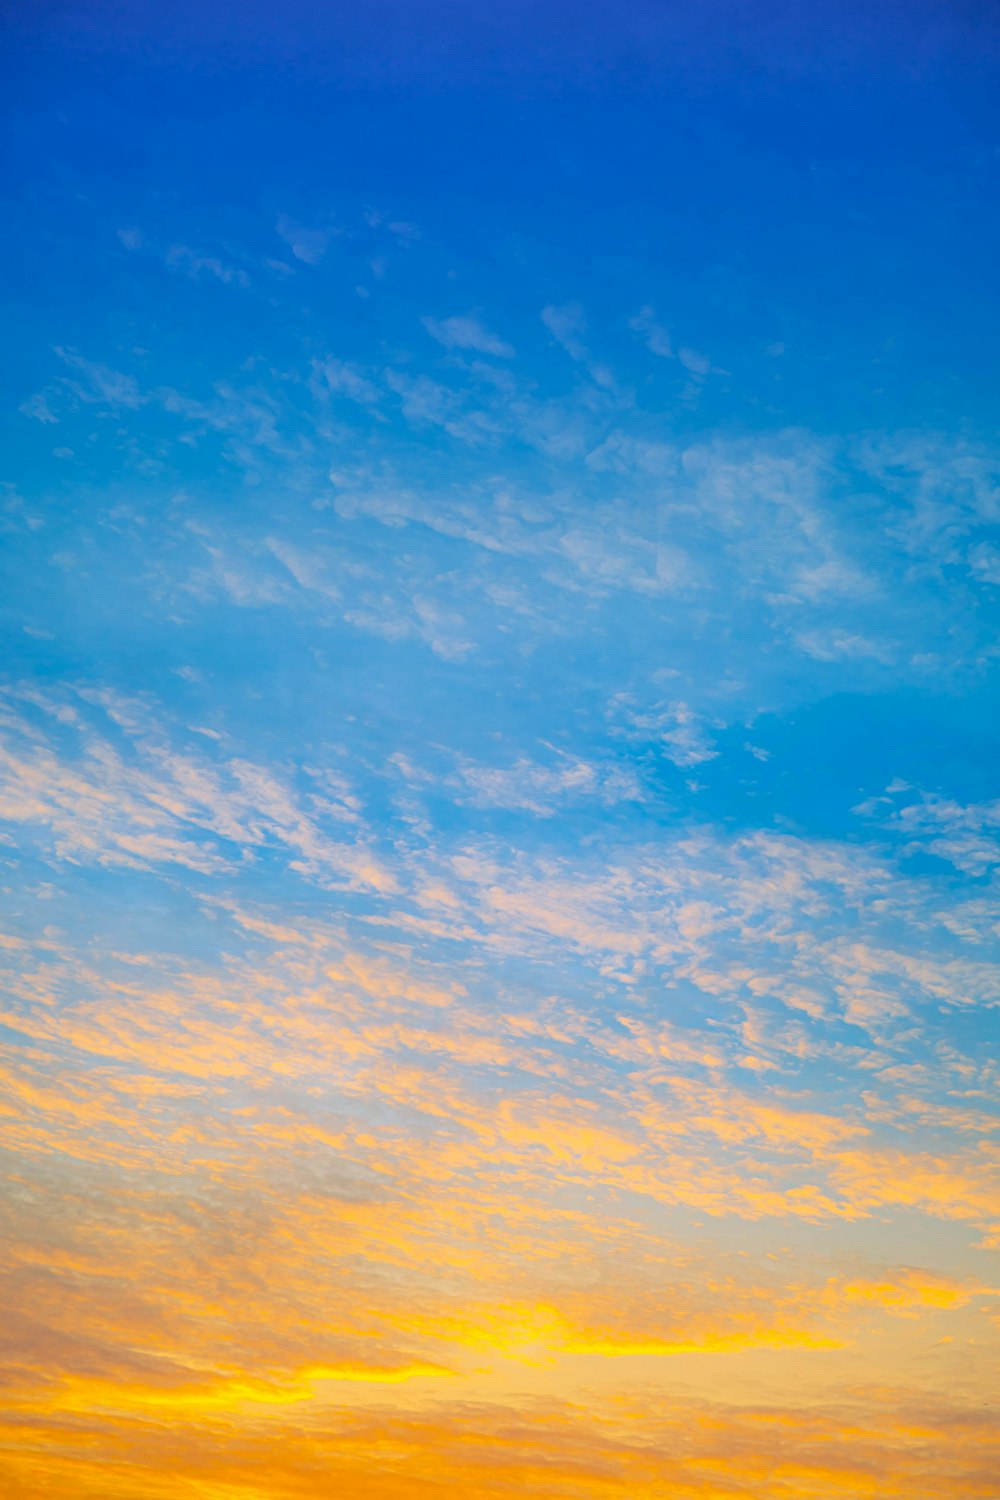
pixel 346 379
pixel 171 807
pixel 534 787
pixel 673 728
pixel 197 265
pixel 307 245
pixel 656 337
pixel 467 333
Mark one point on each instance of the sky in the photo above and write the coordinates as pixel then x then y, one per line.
pixel 499 813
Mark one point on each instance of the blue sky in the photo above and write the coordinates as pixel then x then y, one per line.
pixel 501 564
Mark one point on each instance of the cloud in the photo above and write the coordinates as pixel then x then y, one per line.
pixel 984 561
pixel 656 337
pixel 307 245
pixel 310 569
pixel 841 645
pixel 567 326
pixel 658 341
pixel 907 1292
pixel 118 390
pixel 197 266
pixel 37 406
pixel 467 333
pixel 529 786
pixel 966 835
pixel 674 728
pixel 178 808
pixel 345 379
pixel 426 402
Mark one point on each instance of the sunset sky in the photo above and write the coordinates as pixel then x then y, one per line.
pixel 499 744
